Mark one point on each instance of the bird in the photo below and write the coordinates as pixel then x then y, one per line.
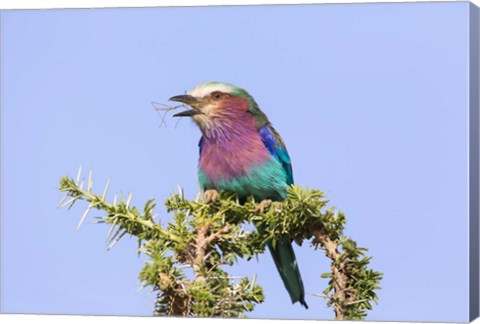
pixel 241 152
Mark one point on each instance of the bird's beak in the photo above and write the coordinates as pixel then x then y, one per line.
pixel 188 100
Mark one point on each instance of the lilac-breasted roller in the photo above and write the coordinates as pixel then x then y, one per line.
pixel 241 152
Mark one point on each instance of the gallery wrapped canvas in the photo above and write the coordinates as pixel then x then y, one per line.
pixel 312 161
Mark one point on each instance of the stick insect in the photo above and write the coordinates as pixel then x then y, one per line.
pixel 163 109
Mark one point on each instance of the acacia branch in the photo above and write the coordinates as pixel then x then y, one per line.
pixel 338 298
pixel 199 260
pixel 205 236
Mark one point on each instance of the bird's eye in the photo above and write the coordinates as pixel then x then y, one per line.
pixel 217 95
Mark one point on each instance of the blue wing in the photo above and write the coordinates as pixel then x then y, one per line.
pixel 200 145
pixel 274 143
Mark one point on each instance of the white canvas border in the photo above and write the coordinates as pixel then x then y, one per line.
pixel 44 4
pixel 49 4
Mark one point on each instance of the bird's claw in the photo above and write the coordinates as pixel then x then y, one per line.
pixel 210 195
pixel 262 205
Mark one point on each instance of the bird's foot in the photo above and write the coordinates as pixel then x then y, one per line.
pixel 262 205
pixel 210 195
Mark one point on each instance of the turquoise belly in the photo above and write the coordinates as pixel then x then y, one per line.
pixel 266 181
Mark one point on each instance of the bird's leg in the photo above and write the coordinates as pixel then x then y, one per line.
pixel 262 205
pixel 211 195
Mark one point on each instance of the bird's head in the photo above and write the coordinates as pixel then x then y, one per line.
pixel 215 104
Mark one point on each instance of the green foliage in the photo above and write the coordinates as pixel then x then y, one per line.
pixel 207 237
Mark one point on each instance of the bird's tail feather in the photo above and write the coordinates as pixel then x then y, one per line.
pixel 284 257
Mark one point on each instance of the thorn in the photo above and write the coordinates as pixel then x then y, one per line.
pixel 71 202
pixel 80 186
pixel 319 295
pixel 62 201
pixel 129 198
pixel 78 175
pixel 254 281
pixel 68 202
pixel 84 216
pixel 106 190
pixel 90 181
pixel 112 244
pixel 181 192
pixel 110 231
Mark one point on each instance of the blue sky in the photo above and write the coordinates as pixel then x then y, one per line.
pixel 370 99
